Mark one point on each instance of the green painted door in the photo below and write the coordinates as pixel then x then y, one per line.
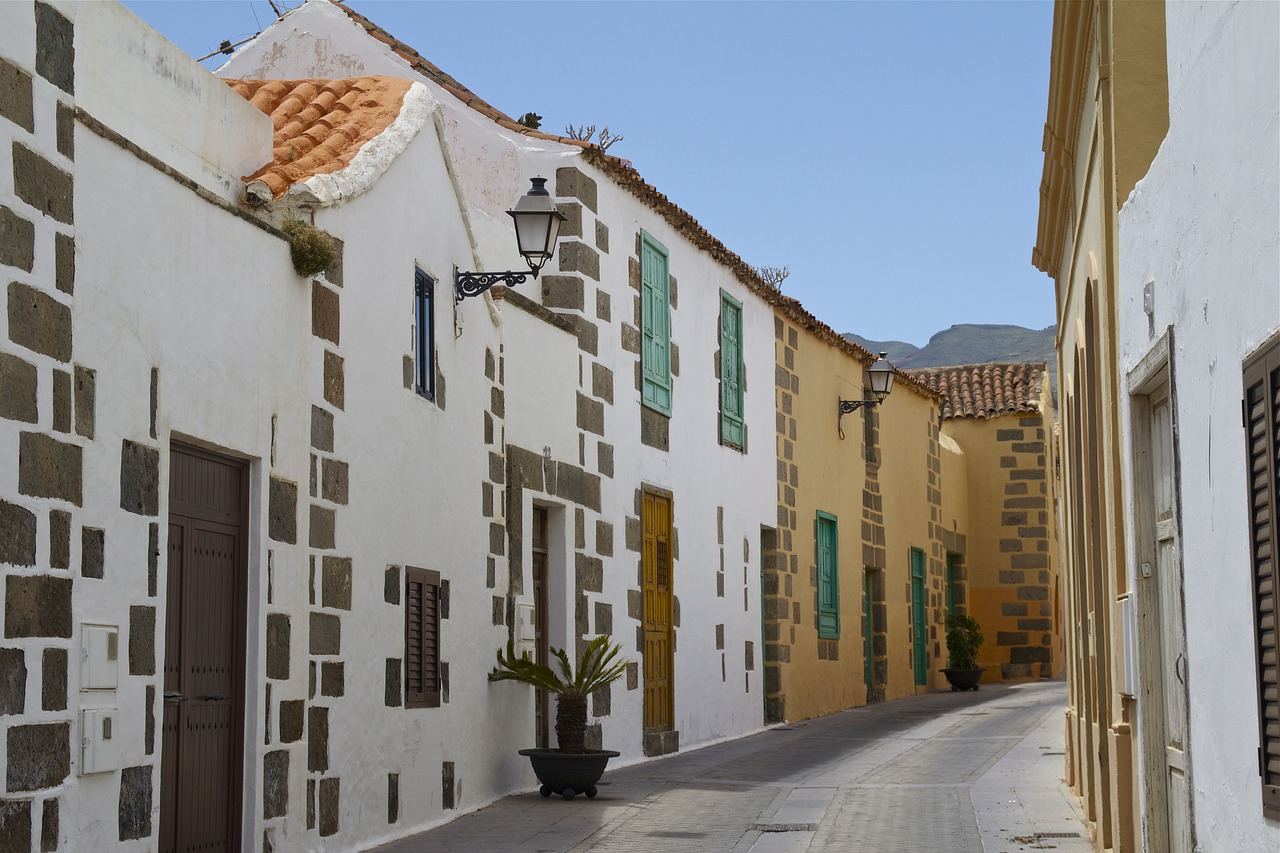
pixel 828 576
pixel 920 637
pixel 866 631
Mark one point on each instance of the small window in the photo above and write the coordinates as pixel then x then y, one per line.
pixel 732 431
pixel 421 638
pixel 424 323
pixel 827 549
pixel 1262 459
pixel 655 318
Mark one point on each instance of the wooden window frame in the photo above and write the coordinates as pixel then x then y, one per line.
pixel 830 608
pixel 733 431
pixel 429 697
pixel 1259 370
pixel 654 380
pixel 424 336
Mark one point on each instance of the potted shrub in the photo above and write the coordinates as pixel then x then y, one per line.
pixel 964 638
pixel 571 769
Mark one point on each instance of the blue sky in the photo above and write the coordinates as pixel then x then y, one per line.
pixel 887 152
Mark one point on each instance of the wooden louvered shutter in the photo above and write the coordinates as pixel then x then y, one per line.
pixel 731 429
pixel 1262 436
pixel 421 638
pixel 655 322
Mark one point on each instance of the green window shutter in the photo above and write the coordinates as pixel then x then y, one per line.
pixel 731 371
pixel 919 637
pixel 951 584
pixel 827 546
pixel 655 316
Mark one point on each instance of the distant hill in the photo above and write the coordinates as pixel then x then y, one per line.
pixel 973 343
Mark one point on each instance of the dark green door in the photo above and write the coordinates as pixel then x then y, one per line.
pixel 917 615
pixel 827 548
pixel 951 584
pixel 866 630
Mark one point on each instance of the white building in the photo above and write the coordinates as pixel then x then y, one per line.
pixel 221 481
pixel 1199 310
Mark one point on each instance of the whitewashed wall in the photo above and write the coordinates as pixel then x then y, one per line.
pixel 1201 227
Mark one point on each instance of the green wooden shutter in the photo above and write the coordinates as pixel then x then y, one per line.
pixel 951 584
pixel 655 316
pixel 920 638
pixel 827 545
pixel 731 370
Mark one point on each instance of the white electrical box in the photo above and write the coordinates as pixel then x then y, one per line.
pixel 100 740
pixel 526 630
pixel 1126 638
pixel 99 657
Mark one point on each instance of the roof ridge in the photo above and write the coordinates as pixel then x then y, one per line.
pixel 986 389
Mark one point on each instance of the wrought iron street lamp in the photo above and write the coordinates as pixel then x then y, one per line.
pixel 880 378
pixel 537 226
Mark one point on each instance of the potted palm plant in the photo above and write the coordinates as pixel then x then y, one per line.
pixel 571 769
pixel 964 638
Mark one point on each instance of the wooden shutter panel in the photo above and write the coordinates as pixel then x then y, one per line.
pixel 421 638
pixel 731 430
pixel 828 576
pixel 655 320
pixel 1262 437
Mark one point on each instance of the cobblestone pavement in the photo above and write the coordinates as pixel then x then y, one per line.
pixel 969 773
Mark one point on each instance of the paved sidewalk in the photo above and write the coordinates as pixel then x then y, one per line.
pixel 949 772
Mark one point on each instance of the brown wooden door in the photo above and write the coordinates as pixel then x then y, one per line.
pixel 659 686
pixel 542 653
pixel 203 728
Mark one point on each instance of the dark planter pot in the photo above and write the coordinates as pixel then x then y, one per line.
pixel 568 773
pixel 963 679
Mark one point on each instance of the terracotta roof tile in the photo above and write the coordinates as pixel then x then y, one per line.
pixel 320 125
pixel 985 390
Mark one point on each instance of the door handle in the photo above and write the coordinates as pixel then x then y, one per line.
pixel 1177 668
pixel 174 697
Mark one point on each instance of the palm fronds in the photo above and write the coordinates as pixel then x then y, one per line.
pixel 598 667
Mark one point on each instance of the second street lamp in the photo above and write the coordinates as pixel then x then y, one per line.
pixel 880 378
pixel 537 227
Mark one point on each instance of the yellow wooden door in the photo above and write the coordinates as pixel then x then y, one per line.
pixel 659 695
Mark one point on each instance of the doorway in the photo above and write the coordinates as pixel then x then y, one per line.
pixel 1162 667
pixel 541 644
pixel 919 635
pixel 659 687
pixel 202 758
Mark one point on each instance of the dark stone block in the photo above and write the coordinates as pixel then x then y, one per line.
pixel 525 467
pixel 282 510
pixel 325 634
pixel 37 606
pixel 333 481
pixel 135 802
pixel 153 557
pixel 1011 638
pixel 39 756
pixel 317 739
pixel 446 785
pixel 139 478
pixel 336 582
pixel 391 694
pixel 39 322
pixel 602 241
pixel 334 386
pixel 333 680
pixel 604 459
pixel 443 598
pixel 574 484
pixel 18 385
pixel 1030 654
pixel 17 235
pixel 1035 624
pixel 1032 593
pixel 602 382
pixel 562 291
pixel 1031 561
pixel 64 265
pixel 149 722
pixel 1008 435
pixel 66 126
pixel 601 701
pixel 42 185
pixel 604 618
pixel 15 826
pixel 576 256
pixel 325 312
pixel 275 784
pixel 497 539
pixel 13 681
pixel 17 535
pixel 572 224
pixel 93 548
pixel 85 393
pixel 278 631
pixel 53 680
pixel 590 414
pixel 48 827
pixel 55 48
pixel 16 103
pixel 604 539
pixel 142 640
pixel 391 585
pixel 630 338
pixel 321 429
pixel 1013 609
pixel 572 183
pixel 61 401
pixel 329 813
pixel 589 573
pixel 291 720
pixel 393 797
pixel 655 429
pixel 321 532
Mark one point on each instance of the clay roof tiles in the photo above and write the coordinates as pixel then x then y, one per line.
pixel 985 390
pixel 320 125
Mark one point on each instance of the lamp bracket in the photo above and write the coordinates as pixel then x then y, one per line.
pixel 848 406
pixel 467 284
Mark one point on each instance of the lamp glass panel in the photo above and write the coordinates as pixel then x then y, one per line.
pixel 532 230
pixel 881 375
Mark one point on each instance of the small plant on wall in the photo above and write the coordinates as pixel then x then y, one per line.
pixel 964 638
pixel 310 248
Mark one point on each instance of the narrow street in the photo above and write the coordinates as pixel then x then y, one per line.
pixel 961 773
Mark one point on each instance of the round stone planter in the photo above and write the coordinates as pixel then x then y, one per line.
pixel 568 773
pixel 963 679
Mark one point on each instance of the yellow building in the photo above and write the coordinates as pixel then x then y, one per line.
pixel 997 477
pixel 1107 114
